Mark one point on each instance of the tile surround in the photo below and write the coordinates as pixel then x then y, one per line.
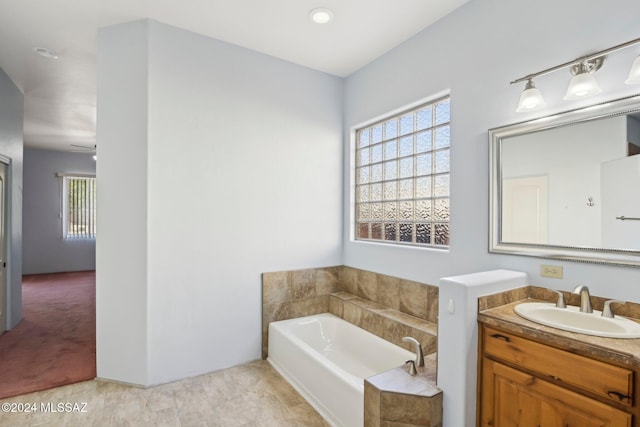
pixel 414 298
pixel 393 398
pixel 387 306
pixel 384 322
pixel 289 294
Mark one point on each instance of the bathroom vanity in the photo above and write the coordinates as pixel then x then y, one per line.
pixel 535 375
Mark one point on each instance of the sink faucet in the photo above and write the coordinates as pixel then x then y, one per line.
pixel 418 349
pixel 607 311
pixel 560 303
pixel 585 298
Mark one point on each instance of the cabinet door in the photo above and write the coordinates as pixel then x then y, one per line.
pixel 511 398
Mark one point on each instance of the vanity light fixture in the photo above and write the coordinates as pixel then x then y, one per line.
pixel 321 15
pixel 634 74
pixel 583 82
pixel 531 98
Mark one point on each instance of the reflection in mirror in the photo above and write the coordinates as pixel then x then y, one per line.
pixel 568 186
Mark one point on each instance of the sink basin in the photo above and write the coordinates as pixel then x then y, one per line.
pixel 571 319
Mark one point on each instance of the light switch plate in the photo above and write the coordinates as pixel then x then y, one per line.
pixel 554 271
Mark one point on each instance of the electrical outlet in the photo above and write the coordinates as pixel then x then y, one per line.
pixel 554 271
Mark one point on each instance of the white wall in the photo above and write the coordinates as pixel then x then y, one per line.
pixel 44 249
pixel 475 52
pixel 121 249
pixel 249 148
pixel 11 146
pixel 243 175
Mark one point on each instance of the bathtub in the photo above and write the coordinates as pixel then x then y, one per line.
pixel 326 359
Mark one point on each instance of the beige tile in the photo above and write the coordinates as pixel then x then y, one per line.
pixel 428 341
pixel 371 420
pixel 301 284
pixel 433 301
pixel 373 322
pixel 368 285
pixel 348 278
pixel 389 291
pixel 394 331
pixel 336 305
pixel 274 287
pixel 414 298
pixel 326 281
pixel 344 296
pixel 404 408
pixel 302 307
pixel 502 298
pixel 371 400
pixel 352 313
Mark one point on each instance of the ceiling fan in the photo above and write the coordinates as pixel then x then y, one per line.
pixel 85 149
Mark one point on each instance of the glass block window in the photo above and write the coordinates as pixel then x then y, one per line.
pixel 79 203
pixel 402 177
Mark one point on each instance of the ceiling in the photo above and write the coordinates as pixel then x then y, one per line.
pixel 60 95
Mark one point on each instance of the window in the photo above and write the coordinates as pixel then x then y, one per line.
pixel 402 178
pixel 79 203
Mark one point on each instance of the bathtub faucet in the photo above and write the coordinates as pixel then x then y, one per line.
pixel 418 349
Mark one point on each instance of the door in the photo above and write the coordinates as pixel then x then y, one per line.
pixel 525 212
pixel 620 183
pixel 3 247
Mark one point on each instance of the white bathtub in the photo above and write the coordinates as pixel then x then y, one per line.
pixel 326 359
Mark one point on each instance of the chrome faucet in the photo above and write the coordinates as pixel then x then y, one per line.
pixel 418 349
pixel 560 303
pixel 585 298
pixel 607 311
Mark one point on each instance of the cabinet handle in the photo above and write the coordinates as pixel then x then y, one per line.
pixel 501 337
pixel 619 395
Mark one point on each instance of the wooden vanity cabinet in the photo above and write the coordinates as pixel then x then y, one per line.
pixel 526 383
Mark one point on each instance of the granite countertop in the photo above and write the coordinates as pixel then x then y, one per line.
pixel 621 350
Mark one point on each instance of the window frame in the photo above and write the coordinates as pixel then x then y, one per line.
pixel 413 108
pixel 64 207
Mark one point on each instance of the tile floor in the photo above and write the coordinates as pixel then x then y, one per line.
pixel 252 395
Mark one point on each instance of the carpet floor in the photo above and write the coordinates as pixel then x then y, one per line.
pixel 55 343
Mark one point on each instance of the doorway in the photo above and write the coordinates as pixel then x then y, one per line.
pixel 525 209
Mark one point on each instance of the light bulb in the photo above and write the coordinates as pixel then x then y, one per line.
pixel 634 73
pixel 581 85
pixel 321 15
pixel 530 99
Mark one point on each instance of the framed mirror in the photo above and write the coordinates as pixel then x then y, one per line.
pixel 567 186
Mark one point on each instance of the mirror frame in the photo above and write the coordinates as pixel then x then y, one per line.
pixel 613 108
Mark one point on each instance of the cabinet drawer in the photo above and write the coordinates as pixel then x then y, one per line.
pixel 602 379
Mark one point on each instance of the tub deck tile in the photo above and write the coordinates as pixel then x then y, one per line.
pixel 396 399
pixel 384 322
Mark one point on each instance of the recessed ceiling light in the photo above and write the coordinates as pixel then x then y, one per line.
pixel 46 53
pixel 321 15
